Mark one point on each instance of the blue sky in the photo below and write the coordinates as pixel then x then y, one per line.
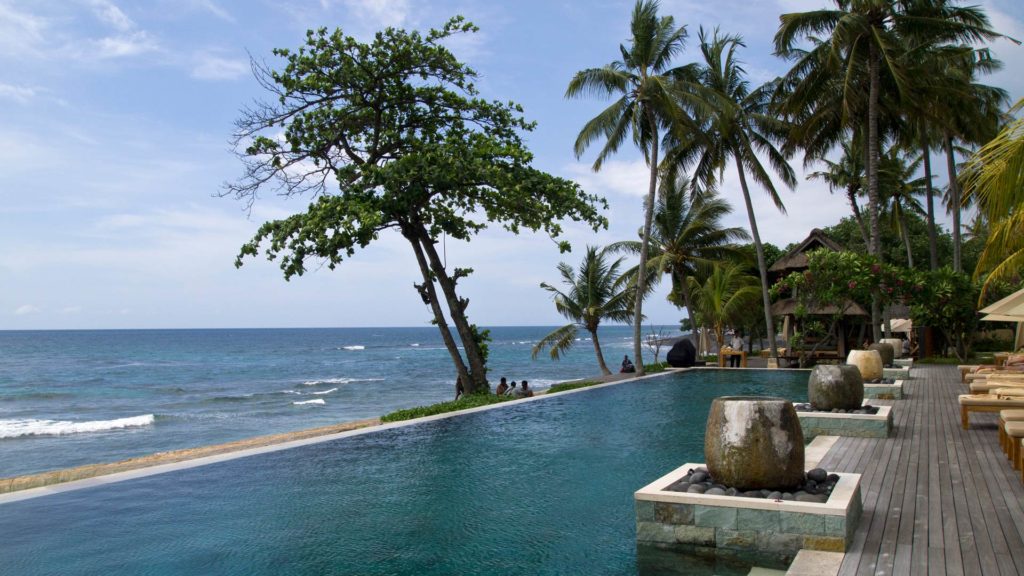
pixel 114 125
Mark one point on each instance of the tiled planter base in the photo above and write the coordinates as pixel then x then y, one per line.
pixel 896 373
pixel 859 425
pixel 892 391
pixel 748 528
pixel 903 362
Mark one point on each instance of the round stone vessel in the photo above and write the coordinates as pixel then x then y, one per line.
pixel 835 386
pixel 754 442
pixel 897 346
pixel 886 351
pixel 869 362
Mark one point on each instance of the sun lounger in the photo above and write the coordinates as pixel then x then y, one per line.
pixel 1009 392
pixel 1004 417
pixel 985 403
pixel 987 386
pixel 1015 434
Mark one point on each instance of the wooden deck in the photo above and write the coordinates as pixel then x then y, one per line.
pixel 937 499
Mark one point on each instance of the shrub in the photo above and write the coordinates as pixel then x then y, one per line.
pixel 468 401
pixel 563 386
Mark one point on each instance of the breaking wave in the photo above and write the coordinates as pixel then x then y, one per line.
pixel 357 347
pixel 317 402
pixel 32 427
pixel 340 381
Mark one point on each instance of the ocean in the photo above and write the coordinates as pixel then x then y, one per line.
pixel 69 398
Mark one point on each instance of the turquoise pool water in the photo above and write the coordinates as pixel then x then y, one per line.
pixel 542 487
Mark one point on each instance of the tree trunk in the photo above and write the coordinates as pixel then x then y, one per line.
pixel 456 307
pixel 874 246
pixel 761 267
pixel 597 350
pixel 435 306
pixel 933 242
pixel 954 199
pixel 684 289
pixel 851 195
pixel 906 240
pixel 641 280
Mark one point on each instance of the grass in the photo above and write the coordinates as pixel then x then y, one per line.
pixel 655 368
pixel 562 387
pixel 468 401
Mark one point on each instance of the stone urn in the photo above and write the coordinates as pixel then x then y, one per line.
pixel 754 442
pixel 869 362
pixel 897 346
pixel 837 386
pixel 886 351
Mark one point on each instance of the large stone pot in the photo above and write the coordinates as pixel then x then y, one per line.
pixel 897 346
pixel 869 362
pixel 839 386
pixel 886 351
pixel 754 442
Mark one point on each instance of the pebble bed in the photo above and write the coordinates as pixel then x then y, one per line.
pixel 881 380
pixel 866 409
pixel 816 487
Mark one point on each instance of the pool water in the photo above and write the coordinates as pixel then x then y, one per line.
pixel 541 487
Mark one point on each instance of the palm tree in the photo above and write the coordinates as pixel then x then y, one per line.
pixel 864 46
pixel 596 292
pixel 723 295
pixel 645 109
pixel 848 175
pixel 738 124
pixel 900 192
pixel 994 178
pixel 687 233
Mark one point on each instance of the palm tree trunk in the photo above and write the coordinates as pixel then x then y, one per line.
pixel 954 199
pixel 851 195
pixel 906 239
pixel 933 241
pixel 761 267
pixel 641 280
pixel 435 306
pixel 874 246
pixel 456 307
pixel 684 289
pixel 597 350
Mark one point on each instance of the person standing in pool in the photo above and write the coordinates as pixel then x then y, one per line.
pixel 502 387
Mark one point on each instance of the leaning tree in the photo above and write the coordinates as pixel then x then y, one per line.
pixel 391 135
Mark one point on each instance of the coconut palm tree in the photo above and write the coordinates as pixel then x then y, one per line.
pixel 994 179
pixel 738 125
pixel 687 233
pixel 723 295
pixel 644 83
pixel 900 192
pixel 595 293
pixel 847 175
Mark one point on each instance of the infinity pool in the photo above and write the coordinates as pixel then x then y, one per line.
pixel 541 487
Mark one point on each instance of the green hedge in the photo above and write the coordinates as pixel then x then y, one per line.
pixel 562 387
pixel 469 401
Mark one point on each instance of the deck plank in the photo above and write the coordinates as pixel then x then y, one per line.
pixel 937 499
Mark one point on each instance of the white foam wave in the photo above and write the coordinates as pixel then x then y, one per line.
pixel 340 381
pixel 32 427
pixel 415 344
pixel 325 391
pixel 317 402
pixel 290 392
pixel 353 347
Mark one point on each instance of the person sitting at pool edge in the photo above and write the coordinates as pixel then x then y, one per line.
pixel 511 389
pixel 627 366
pixel 524 391
pixel 502 387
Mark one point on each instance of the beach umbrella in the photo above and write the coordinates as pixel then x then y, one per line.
pixel 1012 305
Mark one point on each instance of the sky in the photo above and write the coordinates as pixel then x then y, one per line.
pixel 115 120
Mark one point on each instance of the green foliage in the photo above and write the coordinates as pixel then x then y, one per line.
pixel 947 301
pixel 467 401
pixel 562 387
pixel 656 368
pixel 847 234
pixel 482 337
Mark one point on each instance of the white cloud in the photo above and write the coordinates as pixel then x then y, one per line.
pixel 213 8
pixel 25 310
pixel 110 14
pixel 379 13
pixel 21 33
pixel 216 68
pixel 133 44
pixel 19 94
pixel 626 177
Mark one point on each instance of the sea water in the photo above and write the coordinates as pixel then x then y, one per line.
pixel 79 397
